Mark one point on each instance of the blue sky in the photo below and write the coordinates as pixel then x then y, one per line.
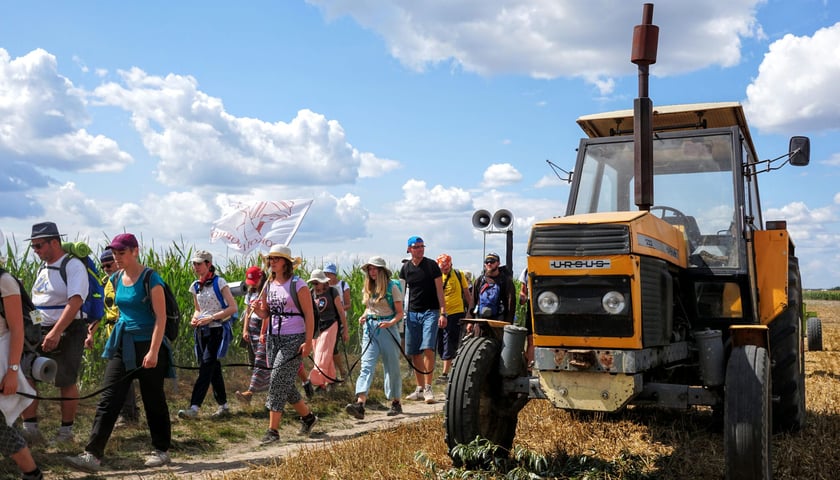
pixel 398 117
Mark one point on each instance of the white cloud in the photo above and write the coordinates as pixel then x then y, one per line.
pixel 420 202
pixel 798 84
pixel 42 119
pixel 550 39
pixel 500 174
pixel 199 143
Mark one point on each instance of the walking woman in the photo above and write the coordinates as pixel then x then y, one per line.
pixel 383 301
pixel 214 307
pixel 288 323
pixel 136 349
pixel 332 319
pixel 251 326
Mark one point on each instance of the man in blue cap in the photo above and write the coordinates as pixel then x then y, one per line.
pixel 426 313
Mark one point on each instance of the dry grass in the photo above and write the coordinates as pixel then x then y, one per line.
pixel 641 443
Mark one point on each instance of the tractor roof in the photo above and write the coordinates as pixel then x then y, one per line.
pixel 671 118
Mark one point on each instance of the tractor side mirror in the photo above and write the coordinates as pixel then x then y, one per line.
pixel 800 151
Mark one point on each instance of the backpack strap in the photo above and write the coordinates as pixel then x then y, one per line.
pixel 219 292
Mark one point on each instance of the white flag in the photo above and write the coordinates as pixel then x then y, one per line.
pixel 260 224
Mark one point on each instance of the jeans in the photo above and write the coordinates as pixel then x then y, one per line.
pixel 385 342
pixel 151 391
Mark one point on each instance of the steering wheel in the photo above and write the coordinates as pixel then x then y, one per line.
pixel 665 209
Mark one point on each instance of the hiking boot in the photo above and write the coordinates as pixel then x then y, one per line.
pixel 417 395
pixel 221 412
pixel 270 436
pixel 306 424
pixel 396 409
pixel 188 413
pixel 428 395
pixel 244 397
pixel 308 390
pixel 356 410
pixel 85 461
pixel 443 379
pixel 157 459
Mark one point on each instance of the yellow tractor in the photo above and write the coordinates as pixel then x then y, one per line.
pixel 694 300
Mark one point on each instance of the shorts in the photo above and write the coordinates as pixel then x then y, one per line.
pixel 68 354
pixel 449 337
pixel 421 331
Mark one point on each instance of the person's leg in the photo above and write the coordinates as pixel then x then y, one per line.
pixel 216 377
pixel 413 339
pixel 108 407
pixel 389 349
pixel 154 397
pixel 129 410
pixel 428 343
pixel 367 365
pixel 205 372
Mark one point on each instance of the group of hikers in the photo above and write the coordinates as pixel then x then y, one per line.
pixel 285 319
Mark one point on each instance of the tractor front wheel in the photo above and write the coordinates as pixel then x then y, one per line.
pixel 747 406
pixel 814 333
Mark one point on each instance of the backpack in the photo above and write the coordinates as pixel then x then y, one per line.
pixel 93 308
pixel 31 331
pixel 219 296
pixel 173 311
pixel 315 313
pixel 489 300
pixel 389 296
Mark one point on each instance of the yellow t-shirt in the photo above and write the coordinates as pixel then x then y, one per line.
pixel 453 292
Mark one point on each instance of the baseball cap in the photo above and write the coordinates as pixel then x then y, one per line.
pixel 123 241
pixel 253 275
pixel 202 256
pixel 492 256
pixel 106 256
pixel 331 268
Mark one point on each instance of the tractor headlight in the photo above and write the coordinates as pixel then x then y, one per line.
pixel 613 302
pixel 548 302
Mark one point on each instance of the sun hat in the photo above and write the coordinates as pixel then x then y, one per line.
pixel 377 261
pixel 106 256
pixel 253 276
pixel 44 230
pixel 123 241
pixel 202 256
pixel 319 276
pixel 331 268
pixel 282 251
pixel 444 260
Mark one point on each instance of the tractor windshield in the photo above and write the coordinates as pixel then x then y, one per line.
pixel 693 187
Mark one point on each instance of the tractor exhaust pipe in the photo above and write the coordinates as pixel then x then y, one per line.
pixel 512 362
pixel 645 41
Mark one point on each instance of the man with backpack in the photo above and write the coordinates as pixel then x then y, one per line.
pixel 494 292
pixel 58 302
pixel 456 293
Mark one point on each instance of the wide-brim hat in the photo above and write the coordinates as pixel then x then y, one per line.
pixel 44 230
pixel 377 262
pixel 282 251
pixel 319 276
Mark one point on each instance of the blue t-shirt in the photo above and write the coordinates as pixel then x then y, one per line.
pixel 135 313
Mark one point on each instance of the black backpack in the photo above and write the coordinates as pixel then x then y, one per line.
pixel 173 311
pixel 31 332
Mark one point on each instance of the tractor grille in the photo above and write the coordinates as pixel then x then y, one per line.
pixel 579 240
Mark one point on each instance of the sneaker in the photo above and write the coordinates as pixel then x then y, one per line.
pixel 85 461
pixel 63 436
pixel 157 459
pixel 124 420
pixel 270 436
pixel 443 379
pixel 356 410
pixel 188 413
pixel 221 412
pixel 396 409
pixel 244 397
pixel 33 437
pixel 417 395
pixel 306 425
pixel 428 395
pixel 308 390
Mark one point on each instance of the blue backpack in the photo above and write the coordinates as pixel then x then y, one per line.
pixel 489 300
pixel 219 296
pixel 93 309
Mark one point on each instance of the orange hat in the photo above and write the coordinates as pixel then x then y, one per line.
pixel 444 260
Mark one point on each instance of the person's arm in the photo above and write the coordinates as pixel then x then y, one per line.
pixel 159 308
pixel 232 307
pixel 510 300
pixel 14 319
pixel 345 299
pixel 342 316
pixel 441 301
pixel 465 287
pixel 305 299
pixel 261 309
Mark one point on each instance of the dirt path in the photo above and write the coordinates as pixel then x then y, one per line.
pixel 252 453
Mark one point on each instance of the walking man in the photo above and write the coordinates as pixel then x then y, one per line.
pixel 426 313
pixel 456 292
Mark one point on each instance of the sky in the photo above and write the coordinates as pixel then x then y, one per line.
pixel 397 118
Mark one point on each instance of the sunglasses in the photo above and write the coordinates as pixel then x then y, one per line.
pixel 38 246
pixel 490 262
pixel 418 247
pixel 107 264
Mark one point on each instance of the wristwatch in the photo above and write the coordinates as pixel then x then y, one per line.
pixel 14 367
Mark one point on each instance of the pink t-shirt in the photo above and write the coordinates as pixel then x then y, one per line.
pixel 284 313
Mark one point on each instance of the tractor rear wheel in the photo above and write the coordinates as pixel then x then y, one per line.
pixel 814 335
pixel 747 406
pixel 475 405
pixel 787 349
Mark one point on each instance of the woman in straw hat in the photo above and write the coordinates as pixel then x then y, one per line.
pixel 383 301
pixel 288 324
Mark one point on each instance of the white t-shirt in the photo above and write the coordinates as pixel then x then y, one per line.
pixel 8 287
pixel 208 302
pixel 50 291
